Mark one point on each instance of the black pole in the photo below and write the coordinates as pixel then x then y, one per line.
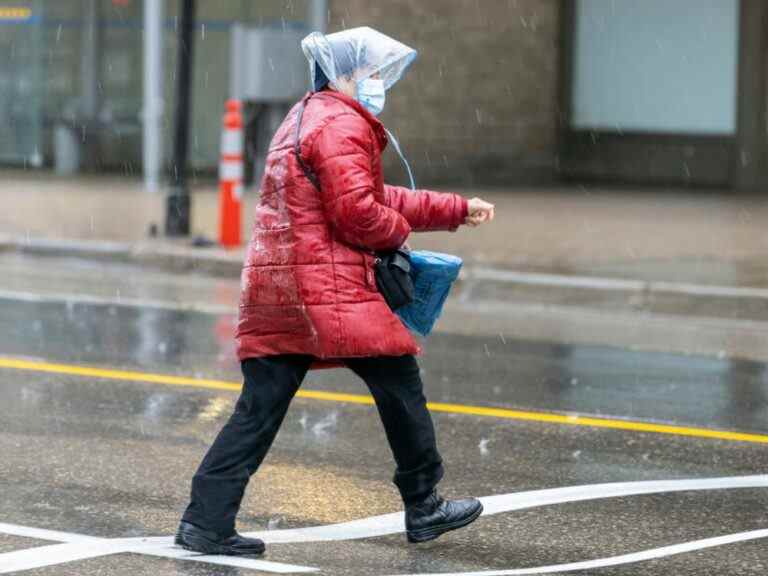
pixel 178 201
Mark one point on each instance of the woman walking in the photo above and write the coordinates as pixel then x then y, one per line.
pixel 309 294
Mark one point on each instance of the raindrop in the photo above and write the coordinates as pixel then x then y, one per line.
pixel 483 446
pixel 273 523
pixel 487 351
pixel 503 340
pixel 58 33
pixel 744 158
pixel 576 454
pixel 202 32
pixel 321 427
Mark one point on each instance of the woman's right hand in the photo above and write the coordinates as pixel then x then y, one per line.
pixel 479 211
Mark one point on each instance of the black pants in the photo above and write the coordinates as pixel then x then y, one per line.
pixel 270 384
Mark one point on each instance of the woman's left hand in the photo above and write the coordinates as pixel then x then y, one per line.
pixel 479 211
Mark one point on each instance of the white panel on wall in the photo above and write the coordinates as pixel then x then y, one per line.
pixel 655 65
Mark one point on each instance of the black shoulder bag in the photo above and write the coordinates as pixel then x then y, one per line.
pixel 392 268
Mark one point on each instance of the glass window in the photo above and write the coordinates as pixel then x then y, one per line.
pixel 655 66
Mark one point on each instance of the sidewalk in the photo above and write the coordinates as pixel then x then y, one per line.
pixel 699 237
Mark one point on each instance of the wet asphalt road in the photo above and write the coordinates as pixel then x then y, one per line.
pixel 113 459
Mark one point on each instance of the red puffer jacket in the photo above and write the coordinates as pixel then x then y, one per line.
pixel 308 283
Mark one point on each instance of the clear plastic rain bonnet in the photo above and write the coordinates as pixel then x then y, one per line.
pixel 357 53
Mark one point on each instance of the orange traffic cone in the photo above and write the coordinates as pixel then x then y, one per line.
pixel 231 175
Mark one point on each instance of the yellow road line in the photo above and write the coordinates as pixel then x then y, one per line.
pixel 504 413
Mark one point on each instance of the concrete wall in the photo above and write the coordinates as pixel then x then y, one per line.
pixel 479 105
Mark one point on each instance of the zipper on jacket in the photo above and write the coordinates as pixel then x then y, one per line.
pixel 370 280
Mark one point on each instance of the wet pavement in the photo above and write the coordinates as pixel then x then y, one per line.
pixel 112 459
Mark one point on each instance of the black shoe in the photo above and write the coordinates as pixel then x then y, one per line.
pixel 190 537
pixel 433 516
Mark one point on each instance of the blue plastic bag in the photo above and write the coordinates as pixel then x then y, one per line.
pixel 433 274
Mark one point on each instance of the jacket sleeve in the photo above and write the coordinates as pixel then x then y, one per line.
pixel 426 210
pixel 341 158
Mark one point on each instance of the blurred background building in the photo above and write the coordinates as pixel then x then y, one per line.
pixel 504 91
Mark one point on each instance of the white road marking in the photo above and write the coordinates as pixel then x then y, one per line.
pixel 53 554
pixel 558 280
pixel 166 550
pixel 394 523
pixel 472 275
pixel 652 554
pixel 37 297
pixel 621 284
pixel 78 546
pixel 567 313
pixel 707 290
pixel 44 534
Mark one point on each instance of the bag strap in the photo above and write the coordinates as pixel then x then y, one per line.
pixel 312 177
pixel 297 146
pixel 396 146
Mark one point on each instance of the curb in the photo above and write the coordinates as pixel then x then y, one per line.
pixel 214 261
pixel 228 263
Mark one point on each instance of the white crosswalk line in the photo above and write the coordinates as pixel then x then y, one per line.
pixel 78 547
pixel 645 555
pixel 53 554
pixel 387 524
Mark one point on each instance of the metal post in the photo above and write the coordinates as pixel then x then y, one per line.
pixel 751 158
pixel 153 93
pixel 318 15
pixel 89 61
pixel 178 201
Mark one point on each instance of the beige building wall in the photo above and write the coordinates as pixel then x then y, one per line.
pixel 479 105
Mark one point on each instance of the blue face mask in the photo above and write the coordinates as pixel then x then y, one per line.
pixel 372 95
